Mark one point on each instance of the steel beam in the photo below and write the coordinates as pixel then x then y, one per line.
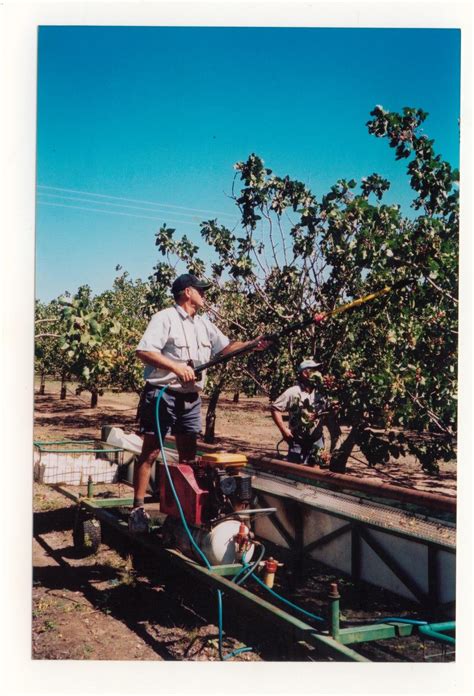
pixel 433 579
pixel 278 524
pixel 355 552
pixel 94 502
pixel 364 634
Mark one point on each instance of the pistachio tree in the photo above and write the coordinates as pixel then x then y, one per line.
pixel 390 365
pixel 50 361
pixel 393 364
pixel 89 328
pixel 129 303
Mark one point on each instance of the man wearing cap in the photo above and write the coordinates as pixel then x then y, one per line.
pixel 306 408
pixel 174 337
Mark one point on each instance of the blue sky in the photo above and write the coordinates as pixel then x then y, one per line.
pixel 160 115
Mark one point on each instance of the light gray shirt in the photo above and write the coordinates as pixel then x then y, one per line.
pixel 292 395
pixel 297 396
pixel 176 335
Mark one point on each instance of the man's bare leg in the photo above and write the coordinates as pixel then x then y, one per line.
pixel 142 470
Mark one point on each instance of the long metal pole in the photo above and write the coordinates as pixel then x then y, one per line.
pixel 300 325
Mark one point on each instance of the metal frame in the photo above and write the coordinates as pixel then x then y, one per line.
pixel 332 643
pixel 293 628
pixel 358 533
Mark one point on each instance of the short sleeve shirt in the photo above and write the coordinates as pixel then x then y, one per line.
pixel 176 335
pixel 296 395
pixel 290 396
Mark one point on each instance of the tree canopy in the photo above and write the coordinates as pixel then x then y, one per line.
pixel 391 364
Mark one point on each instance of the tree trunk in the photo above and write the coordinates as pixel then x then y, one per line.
pixel 341 454
pixel 42 385
pixel 235 398
pixel 62 395
pixel 334 429
pixel 209 433
pixel 94 398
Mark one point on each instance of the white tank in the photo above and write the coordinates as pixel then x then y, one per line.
pixel 218 545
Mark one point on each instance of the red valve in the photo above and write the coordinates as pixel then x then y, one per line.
pixel 334 591
pixel 271 565
pixel 242 536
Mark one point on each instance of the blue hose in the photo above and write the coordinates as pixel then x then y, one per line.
pixel 286 601
pixel 188 531
pixel 248 568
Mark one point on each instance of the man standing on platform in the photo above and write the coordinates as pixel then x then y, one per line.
pixel 175 337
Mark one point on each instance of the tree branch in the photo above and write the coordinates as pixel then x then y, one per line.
pixel 260 292
pixel 433 417
pixel 269 220
pixel 443 292
pixel 254 379
pixel 282 234
pixel 223 319
pixel 257 256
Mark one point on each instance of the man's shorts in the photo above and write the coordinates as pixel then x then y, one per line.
pixel 180 413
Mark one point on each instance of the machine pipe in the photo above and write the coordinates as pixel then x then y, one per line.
pixel 431 501
pixel 292 626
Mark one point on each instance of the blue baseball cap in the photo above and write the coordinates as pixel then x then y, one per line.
pixel 188 280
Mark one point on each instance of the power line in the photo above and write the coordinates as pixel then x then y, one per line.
pixel 113 212
pixel 119 205
pixel 132 200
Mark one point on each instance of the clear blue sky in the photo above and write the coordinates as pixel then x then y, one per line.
pixel 160 115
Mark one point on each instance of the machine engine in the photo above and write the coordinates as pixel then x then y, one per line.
pixel 214 494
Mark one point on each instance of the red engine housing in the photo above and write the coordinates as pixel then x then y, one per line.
pixel 192 497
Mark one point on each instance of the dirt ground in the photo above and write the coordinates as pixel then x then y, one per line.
pixel 114 606
pixel 101 607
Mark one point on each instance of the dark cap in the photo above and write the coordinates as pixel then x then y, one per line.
pixel 188 280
